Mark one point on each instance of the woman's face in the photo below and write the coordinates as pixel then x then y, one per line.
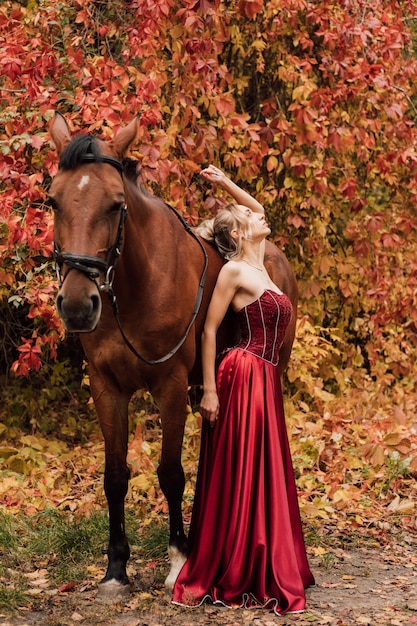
pixel 255 224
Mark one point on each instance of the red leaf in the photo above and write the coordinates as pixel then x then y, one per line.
pixel 37 142
pixel 67 587
pixel 251 7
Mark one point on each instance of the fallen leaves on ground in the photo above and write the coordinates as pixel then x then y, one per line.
pixel 357 497
pixel 368 584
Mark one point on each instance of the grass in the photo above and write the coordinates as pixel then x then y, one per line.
pixel 154 542
pixel 64 548
pixel 67 544
pixel 11 598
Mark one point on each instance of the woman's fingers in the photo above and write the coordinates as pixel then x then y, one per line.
pixel 210 415
pixel 209 407
pixel 212 173
pixel 213 418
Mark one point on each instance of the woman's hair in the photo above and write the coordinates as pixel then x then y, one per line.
pixel 219 228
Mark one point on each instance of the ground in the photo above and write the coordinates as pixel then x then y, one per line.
pixel 372 581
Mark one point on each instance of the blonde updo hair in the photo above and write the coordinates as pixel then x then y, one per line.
pixel 219 229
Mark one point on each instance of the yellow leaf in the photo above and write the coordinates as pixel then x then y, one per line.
pixel 144 595
pixel 140 482
pixel 319 551
pixel 341 494
pixel 5 452
pixel 392 439
pixel 357 359
pixel 18 465
pixel 272 163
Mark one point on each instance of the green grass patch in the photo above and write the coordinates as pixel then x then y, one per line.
pixel 11 598
pixel 67 544
pixel 154 542
pixel 63 545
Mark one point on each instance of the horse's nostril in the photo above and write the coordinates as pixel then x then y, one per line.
pixel 95 303
pixel 59 303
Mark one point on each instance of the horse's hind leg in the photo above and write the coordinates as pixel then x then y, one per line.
pixel 171 474
pixel 112 409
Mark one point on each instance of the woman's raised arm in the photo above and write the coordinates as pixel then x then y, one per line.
pixel 218 177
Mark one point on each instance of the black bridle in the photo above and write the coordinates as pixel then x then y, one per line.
pixel 88 264
pixel 93 266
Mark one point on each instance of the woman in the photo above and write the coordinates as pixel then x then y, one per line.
pixel 246 542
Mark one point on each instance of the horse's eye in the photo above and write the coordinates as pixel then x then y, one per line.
pixel 117 207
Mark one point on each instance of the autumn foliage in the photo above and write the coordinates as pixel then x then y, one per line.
pixel 310 105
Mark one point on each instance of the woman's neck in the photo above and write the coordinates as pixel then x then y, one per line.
pixel 253 252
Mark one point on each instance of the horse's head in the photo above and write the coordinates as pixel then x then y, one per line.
pixel 88 199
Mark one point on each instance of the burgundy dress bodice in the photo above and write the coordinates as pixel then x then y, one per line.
pixel 263 324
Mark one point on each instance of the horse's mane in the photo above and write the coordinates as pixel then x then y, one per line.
pixel 131 172
pixel 83 144
pixel 130 169
pixel 77 149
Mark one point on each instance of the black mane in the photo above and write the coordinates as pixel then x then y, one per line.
pixel 82 145
pixel 130 169
pixel 132 172
pixel 77 149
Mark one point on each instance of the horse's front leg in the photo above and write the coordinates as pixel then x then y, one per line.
pixel 112 409
pixel 173 407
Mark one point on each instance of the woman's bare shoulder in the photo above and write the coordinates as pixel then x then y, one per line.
pixel 231 270
pixel 230 276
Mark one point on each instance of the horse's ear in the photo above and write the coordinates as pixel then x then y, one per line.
pixel 125 137
pixel 59 131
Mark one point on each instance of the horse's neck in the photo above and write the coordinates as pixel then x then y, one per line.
pixel 151 239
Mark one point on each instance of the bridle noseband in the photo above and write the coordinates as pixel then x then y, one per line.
pixel 88 264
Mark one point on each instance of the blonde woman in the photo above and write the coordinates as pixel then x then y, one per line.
pixel 246 542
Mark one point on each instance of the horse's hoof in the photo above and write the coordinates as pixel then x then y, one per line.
pixel 112 592
pixel 177 560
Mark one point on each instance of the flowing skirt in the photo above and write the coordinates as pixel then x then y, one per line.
pixel 246 542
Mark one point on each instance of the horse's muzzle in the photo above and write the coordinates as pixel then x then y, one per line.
pixel 80 315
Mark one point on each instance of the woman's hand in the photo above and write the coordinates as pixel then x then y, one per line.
pixel 209 406
pixel 216 176
pixel 213 175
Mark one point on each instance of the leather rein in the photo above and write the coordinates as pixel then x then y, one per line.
pixel 92 266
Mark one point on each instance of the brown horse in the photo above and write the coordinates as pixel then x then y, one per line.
pixel 159 276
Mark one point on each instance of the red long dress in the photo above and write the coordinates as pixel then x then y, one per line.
pixel 246 542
